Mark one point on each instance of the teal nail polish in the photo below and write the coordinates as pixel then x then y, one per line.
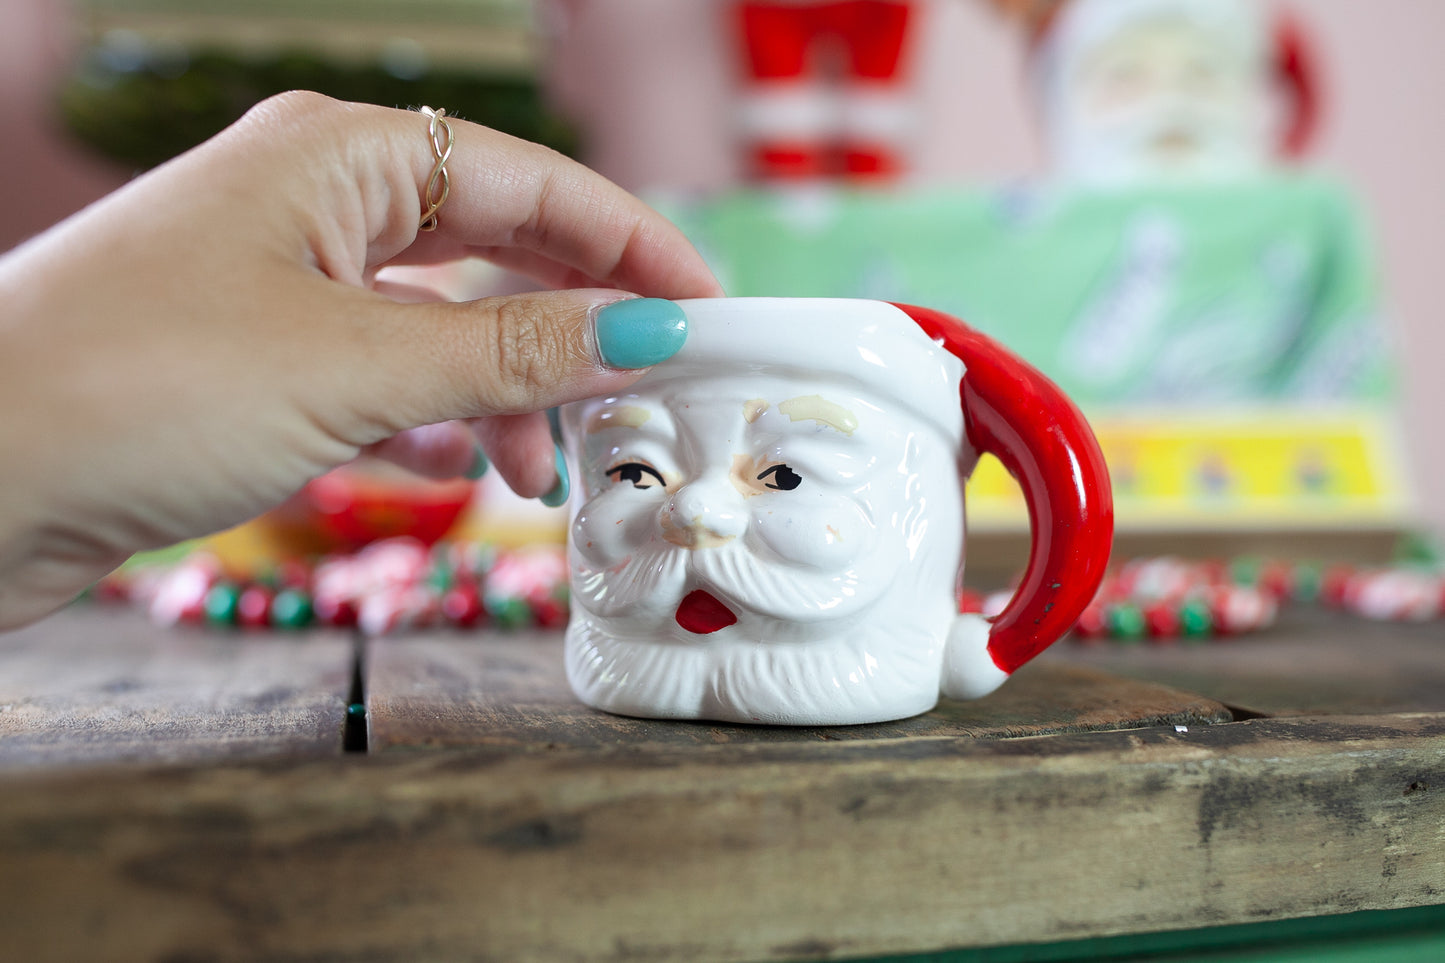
pixel 479 463
pixel 559 493
pixel 554 418
pixel 640 331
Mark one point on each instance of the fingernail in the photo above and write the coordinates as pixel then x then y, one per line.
pixel 558 495
pixel 554 418
pixel 640 331
pixel 479 463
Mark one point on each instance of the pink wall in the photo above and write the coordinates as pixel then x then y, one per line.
pixel 1386 136
pixel 43 177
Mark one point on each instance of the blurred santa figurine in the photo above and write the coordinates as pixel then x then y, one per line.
pixel 1137 91
pixel 825 88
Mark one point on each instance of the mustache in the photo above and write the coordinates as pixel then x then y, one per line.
pixel 646 579
pixel 778 589
pixel 656 577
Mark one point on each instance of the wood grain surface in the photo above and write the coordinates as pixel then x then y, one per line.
pixel 92 685
pixel 764 851
pixel 434 691
pixel 496 819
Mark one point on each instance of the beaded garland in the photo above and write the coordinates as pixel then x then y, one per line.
pixel 1162 599
pixel 1165 599
pixel 1404 593
pixel 399 583
pixel 389 585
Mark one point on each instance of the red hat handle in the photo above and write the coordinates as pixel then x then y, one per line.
pixel 1295 68
pixel 1014 412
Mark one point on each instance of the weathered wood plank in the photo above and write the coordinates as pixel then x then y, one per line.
pixel 93 686
pixel 510 690
pixel 1313 662
pixel 757 851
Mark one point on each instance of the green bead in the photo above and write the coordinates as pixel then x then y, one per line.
pixel 1244 571
pixel 1194 620
pixel 1307 579
pixel 440 577
pixel 509 613
pixel 356 710
pixel 1126 622
pixel 1420 548
pixel 220 603
pixel 291 609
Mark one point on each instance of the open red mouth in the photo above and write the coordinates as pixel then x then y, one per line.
pixel 701 613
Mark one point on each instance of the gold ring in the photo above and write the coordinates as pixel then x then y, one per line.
pixel 439 185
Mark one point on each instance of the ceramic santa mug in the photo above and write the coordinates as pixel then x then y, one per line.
pixel 769 526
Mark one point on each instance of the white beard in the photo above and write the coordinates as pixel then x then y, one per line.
pixel 1122 150
pixel 868 674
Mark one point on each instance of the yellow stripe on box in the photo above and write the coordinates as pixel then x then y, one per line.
pixel 1269 468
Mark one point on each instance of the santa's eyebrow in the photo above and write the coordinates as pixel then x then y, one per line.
pixel 818 409
pixel 619 416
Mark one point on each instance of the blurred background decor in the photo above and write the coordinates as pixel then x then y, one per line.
pixel 1171 255
pixel 159 76
pixel 1163 203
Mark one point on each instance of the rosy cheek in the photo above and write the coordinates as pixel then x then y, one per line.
pixel 612 526
pixel 827 534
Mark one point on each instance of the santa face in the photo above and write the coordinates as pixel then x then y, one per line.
pixel 760 548
pixel 1168 96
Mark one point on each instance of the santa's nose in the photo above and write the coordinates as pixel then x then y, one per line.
pixel 703 514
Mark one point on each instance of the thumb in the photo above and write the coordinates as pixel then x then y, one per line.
pixel 418 364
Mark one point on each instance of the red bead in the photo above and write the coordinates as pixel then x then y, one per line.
pixel 253 609
pixel 294 574
pixel 1213 572
pixel 550 613
pixel 1091 623
pixel 112 588
pixel 969 601
pixel 1334 584
pixel 462 605
pixel 335 611
pixel 1277 579
pixel 1162 620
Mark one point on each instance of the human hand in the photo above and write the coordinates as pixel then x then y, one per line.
pixel 191 350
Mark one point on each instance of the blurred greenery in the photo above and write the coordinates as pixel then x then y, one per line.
pixel 141 107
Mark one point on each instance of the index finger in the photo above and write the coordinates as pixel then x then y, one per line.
pixel 508 192
pixel 505 193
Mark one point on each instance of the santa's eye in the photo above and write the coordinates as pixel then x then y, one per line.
pixel 780 478
pixel 640 475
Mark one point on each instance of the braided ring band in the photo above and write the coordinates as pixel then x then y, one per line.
pixel 439 185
